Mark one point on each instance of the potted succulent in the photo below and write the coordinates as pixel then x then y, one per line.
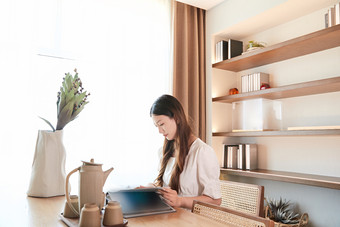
pixel 253 45
pixel 282 213
pixel 48 169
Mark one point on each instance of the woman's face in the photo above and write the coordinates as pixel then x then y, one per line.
pixel 166 126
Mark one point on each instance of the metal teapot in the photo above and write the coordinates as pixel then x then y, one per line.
pixel 91 182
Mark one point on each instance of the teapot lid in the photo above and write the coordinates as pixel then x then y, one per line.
pixel 91 163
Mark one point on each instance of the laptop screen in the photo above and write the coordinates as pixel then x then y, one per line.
pixel 140 202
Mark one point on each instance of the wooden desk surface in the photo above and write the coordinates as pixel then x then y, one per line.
pixel 181 218
pixel 33 212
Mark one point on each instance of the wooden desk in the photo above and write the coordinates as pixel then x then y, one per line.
pixel 181 218
pixel 20 210
pixel 43 212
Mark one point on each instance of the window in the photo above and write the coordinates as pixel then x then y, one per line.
pixel 122 53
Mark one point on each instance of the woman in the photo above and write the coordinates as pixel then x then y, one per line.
pixel 189 169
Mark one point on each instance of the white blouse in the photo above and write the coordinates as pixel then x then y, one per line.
pixel 201 172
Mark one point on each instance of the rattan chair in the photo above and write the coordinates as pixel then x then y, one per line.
pixel 229 217
pixel 247 198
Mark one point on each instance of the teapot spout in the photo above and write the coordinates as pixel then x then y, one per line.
pixel 106 174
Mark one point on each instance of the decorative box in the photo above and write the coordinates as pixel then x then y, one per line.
pixel 256 115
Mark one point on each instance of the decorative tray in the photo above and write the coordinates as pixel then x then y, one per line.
pixel 74 222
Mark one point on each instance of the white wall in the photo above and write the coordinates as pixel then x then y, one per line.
pixel 303 154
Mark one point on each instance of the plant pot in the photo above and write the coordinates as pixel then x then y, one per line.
pixel 303 220
pixel 48 169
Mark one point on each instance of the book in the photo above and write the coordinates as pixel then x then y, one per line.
pixel 250 156
pixel 224 48
pixel 250 81
pixel 326 20
pixel 235 48
pixel 244 83
pixel 230 156
pixel 262 78
pixel 221 51
pixel 218 53
pixel 241 161
pixel 331 17
pixel 255 81
pixel 337 13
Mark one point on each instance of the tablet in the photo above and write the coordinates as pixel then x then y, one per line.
pixel 140 202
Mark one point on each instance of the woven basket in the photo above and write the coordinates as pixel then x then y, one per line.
pixel 303 221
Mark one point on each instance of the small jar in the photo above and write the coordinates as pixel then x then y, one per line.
pixel 113 214
pixel 90 216
pixel 68 212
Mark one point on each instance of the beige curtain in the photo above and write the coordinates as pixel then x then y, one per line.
pixel 189 76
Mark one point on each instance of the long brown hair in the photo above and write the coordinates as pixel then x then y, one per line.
pixel 169 106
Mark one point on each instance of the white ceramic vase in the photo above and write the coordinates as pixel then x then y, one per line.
pixel 48 169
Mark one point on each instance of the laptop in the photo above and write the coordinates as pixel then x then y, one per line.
pixel 140 202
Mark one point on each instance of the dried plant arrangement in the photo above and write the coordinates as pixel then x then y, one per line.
pixel 70 102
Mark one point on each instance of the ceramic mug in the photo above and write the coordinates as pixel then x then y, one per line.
pixel 68 212
pixel 90 216
pixel 113 214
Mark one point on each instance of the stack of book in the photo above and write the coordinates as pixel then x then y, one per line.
pixel 332 17
pixel 228 49
pixel 254 81
pixel 240 156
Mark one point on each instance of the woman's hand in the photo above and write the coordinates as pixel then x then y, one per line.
pixel 171 197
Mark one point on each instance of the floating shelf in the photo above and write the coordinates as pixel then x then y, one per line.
pixel 298 178
pixel 324 132
pixel 294 90
pixel 317 41
pixel 288 91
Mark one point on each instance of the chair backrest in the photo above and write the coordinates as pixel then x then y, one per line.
pixel 228 216
pixel 247 198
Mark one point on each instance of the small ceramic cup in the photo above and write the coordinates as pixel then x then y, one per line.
pixel 113 214
pixel 68 212
pixel 90 216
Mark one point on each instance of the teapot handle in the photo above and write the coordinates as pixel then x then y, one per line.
pixel 67 194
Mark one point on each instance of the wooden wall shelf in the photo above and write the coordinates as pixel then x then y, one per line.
pixel 294 90
pixel 317 41
pixel 325 132
pixel 299 178
pixel 288 91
